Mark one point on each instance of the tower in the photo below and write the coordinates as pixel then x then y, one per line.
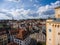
pixel 53 29
pixel 57 12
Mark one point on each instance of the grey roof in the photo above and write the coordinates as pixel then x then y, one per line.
pixel 56 19
pixel 57 7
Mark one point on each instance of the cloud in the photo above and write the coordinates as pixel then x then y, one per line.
pixel 22 13
pixel 44 9
pixel 57 3
pixel 17 13
pixel 31 0
pixel 48 9
pixel 13 0
pixel 3 16
pixel 36 1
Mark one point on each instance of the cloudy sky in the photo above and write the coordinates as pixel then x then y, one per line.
pixel 27 9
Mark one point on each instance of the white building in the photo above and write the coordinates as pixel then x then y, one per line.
pixel 26 41
pixel 21 38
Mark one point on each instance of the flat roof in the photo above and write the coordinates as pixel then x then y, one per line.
pixel 57 7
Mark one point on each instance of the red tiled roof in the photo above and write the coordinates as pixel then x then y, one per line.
pixel 13 31
pixel 22 34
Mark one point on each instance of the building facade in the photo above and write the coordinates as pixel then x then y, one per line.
pixel 3 37
pixel 53 29
pixel 26 41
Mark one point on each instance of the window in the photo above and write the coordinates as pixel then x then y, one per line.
pixel 20 41
pixel 55 25
pixel 1 40
pixel 15 40
pixel 49 39
pixel 58 26
pixel 58 44
pixel 20 44
pixel 49 30
pixel 58 33
pixel 5 37
pixel 58 15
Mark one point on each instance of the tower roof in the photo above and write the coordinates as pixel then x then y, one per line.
pixel 57 7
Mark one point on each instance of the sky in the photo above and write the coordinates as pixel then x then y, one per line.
pixel 27 9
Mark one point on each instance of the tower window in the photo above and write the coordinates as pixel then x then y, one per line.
pixel 55 25
pixel 58 33
pixel 58 15
pixel 49 30
pixel 58 26
pixel 49 39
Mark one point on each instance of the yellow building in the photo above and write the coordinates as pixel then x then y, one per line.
pixel 3 38
pixel 53 29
